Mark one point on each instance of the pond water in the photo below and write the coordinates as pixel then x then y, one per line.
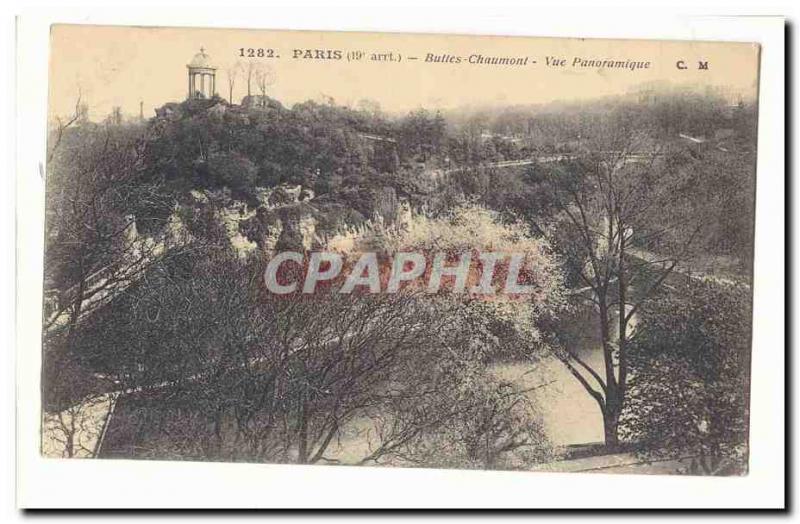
pixel 569 414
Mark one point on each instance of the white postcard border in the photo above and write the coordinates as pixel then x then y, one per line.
pixel 123 483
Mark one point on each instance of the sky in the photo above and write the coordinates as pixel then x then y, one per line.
pixel 123 66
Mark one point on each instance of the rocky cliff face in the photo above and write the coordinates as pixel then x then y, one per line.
pixel 224 202
pixel 291 218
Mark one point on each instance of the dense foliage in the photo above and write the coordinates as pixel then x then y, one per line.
pixel 690 375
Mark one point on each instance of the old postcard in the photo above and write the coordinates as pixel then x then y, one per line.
pixel 399 250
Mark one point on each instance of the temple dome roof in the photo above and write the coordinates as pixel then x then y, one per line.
pixel 201 61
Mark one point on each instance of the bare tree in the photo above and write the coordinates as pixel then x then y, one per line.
pixel 115 118
pixel 233 73
pixel 603 198
pixel 61 125
pixel 222 372
pixel 250 69
pixel 93 252
pixel 77 429
pixel 265 77
pixel 92 244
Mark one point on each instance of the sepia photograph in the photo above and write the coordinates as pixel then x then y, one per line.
pixel 396 250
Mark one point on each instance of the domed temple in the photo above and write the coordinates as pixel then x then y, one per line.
pixel 202 76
